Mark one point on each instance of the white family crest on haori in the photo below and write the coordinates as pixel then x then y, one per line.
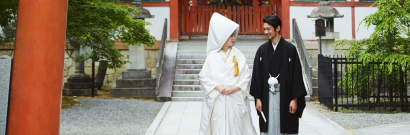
pixel 224 114
pixel 272 81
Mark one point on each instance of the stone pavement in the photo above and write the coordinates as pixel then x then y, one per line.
pixel 183 118
pixel 389 129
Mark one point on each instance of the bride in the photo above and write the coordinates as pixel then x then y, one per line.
pixel 225 79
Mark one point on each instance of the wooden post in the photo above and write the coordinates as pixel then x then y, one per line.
pixel 37 78
pixel 174 20
pixel 183 20
pixel 229 12
pixel 250 20
pixel 255 3
pixel 285 32
pixel 194 2
pixel 242 20
pixel 189 21
pixel 246 19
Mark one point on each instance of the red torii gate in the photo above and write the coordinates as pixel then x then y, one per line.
pixel 37 72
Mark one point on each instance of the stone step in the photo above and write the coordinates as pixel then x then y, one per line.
pixel 197 98
pixel 203 48
pixel 187 94
pixel 79 80
pixel 86 85
pixel 187 98
pixel 186 76
pixel 315 82
pixel 133 83
pixel 203 52
pixel 186 82
pixel 187 71
pixel 314 73
pixel 315 91
pixel 197 66
pixel 186 87
pixel 250 42
pixel 203 56
pixel 188 66
pixel 200 61
pixel 190 61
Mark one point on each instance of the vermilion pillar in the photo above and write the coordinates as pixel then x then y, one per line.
pixel 174 20
pixel 37 72
pixel 285 32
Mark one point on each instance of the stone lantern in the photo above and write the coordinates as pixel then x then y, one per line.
pixel 327 13
pixel 136 81
pixel 144 12
pixel 79 83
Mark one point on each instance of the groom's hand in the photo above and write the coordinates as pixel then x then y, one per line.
pixel 258 105
pixel 293 106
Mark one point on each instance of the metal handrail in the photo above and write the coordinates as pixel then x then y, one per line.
pixel 304 58
pixel 160 58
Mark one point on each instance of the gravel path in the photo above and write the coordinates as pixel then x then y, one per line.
pixel 352 121
pixel 109 117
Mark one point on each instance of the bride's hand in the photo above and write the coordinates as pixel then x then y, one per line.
pixel 220 89
pixel 231 90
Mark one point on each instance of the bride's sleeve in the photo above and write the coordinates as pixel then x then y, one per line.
pixel 205 78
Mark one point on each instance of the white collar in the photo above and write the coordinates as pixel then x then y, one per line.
pixel 276 45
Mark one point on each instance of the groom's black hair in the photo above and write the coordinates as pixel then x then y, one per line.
pixel 274 21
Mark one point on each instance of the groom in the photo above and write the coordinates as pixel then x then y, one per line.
pixel 282 102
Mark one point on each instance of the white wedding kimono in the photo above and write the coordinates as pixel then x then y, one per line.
pixel 224 114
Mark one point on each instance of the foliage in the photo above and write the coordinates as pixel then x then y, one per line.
pixel 93 24
pixel 8 14
pixel 8 11
pixel 388 44
pixel 96 24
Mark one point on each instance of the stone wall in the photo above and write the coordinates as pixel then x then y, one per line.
pixel 312 51
pixel 112 74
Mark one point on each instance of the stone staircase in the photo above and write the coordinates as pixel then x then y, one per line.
pixel 191 55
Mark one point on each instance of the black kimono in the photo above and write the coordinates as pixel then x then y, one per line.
pixel 284 60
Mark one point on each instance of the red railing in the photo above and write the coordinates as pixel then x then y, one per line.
pixel 195 19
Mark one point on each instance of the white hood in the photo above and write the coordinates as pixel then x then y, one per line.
pixel 220 29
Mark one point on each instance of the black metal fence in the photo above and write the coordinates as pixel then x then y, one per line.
pixel 349 84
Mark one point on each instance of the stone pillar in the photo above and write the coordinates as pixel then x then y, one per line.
pixel 136 57
pixel 37 71
pixel 136 81
pixel 327 41
pixel 5 70
pixel 327 49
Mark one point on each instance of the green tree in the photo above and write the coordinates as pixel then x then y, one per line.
pixel 8 14
pixel 389 44
pixel 96 24
pixel 93 24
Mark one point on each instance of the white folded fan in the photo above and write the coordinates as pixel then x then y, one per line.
pixel 263 116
